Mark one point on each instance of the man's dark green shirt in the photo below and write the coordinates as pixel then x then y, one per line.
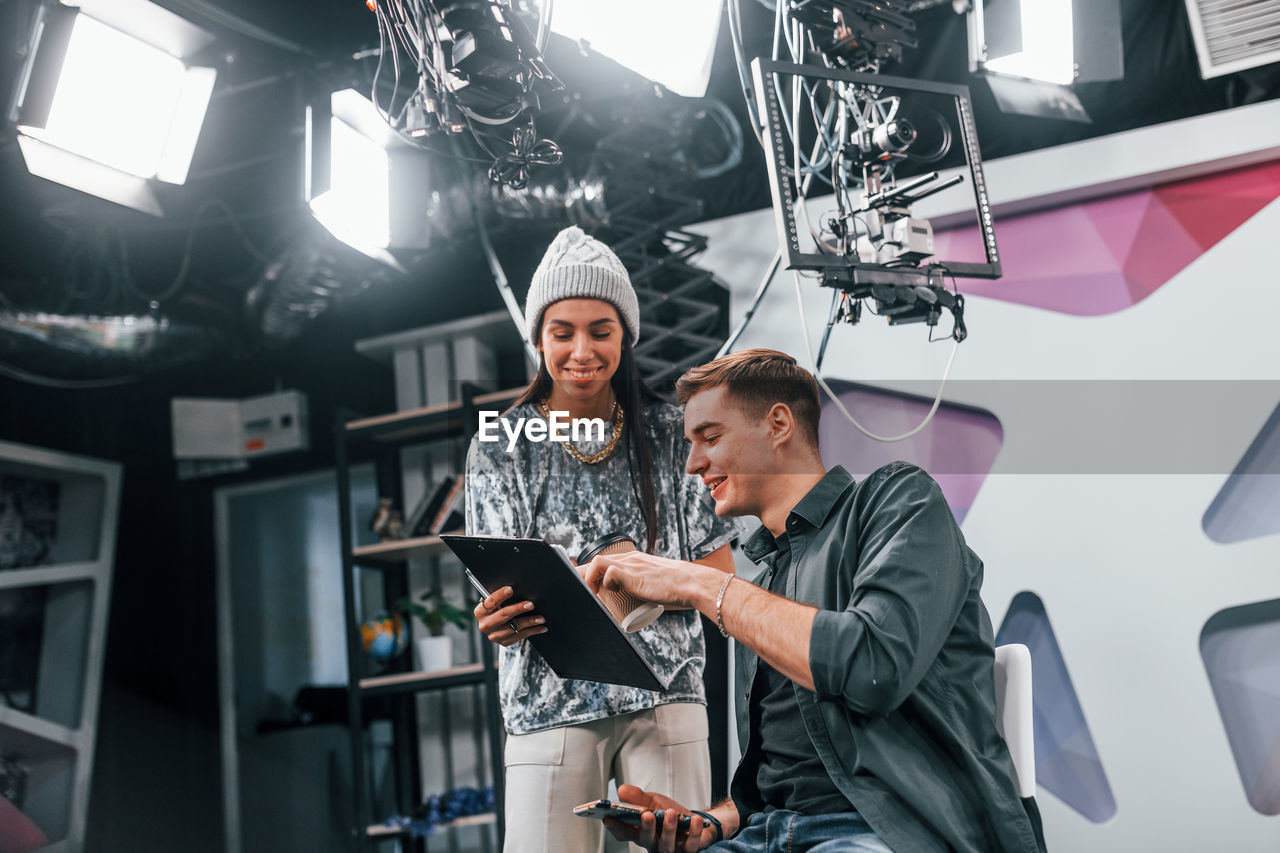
pixel 903 710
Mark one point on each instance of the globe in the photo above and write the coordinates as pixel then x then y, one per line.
pixel 383 636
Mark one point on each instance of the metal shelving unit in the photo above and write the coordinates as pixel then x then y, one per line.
pixel 382 438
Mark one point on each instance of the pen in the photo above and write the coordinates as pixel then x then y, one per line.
pixel 484 594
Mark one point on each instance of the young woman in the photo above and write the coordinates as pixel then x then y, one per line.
pixel 565 738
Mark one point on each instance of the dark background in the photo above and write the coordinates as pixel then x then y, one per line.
pixel 156 784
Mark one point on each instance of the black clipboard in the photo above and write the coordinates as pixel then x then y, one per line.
pixel 582 640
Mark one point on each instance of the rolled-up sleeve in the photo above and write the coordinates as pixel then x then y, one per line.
pixel 910 580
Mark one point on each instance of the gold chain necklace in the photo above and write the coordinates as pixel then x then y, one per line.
pixel 544 408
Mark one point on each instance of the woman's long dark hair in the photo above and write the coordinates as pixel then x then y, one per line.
pixel 633 395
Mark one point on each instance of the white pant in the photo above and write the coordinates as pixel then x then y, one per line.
pixel 549 772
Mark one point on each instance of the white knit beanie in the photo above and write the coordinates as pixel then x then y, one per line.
pixel 580 267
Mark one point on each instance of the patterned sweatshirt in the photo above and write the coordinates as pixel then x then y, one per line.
pixel 538 491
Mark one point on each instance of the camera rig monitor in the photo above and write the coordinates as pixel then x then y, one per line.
pixel 880 144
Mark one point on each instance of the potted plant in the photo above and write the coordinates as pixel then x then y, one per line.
pixel 435 651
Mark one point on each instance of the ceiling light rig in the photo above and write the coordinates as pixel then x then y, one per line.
pixel 478 70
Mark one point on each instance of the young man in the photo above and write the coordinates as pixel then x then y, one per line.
pixel 865 670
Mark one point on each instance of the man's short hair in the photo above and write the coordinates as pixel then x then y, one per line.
pixel 757 379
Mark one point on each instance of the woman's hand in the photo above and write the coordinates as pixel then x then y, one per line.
pixel 506 623
pixel 656 837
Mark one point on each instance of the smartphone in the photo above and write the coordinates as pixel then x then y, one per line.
pixel 625 812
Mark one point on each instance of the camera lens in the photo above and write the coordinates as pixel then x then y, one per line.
pixel 895 137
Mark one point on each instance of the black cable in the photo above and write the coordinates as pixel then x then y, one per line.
pixel 382 53
pixel 527 150
pixel 395 70
pixel 421 23
pixel 958 330
pixel 826 335
pixel 744 74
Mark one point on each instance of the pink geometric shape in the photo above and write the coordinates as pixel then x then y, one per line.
pixel 957 448
pixel 1082 295
pixel 963 244
pixel 1117 220
pixel 1053 244
pixel 1211 208
pixel 1106 255
pixel 1162 249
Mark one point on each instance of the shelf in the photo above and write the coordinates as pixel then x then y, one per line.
pixel 53 574
pixel 397 550
pixel 46 749
pixel 70 507
pixel 437 435
pixel 426 423
pixel 381 830
pixel 413 682
pixel 35 737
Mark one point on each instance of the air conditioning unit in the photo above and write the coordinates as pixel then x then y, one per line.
pixel 1232 35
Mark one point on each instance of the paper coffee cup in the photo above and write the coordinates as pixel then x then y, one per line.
pixel 631 613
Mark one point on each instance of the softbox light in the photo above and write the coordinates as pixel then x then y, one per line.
pixel 1032 51
pixel 670 42
pixel 365 184
pixel 106 101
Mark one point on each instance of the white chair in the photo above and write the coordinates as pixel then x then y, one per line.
pixel 1014 719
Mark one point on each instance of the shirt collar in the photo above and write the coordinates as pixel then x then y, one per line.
pixel 813 508
pixel 760 545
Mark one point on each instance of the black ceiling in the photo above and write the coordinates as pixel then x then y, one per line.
pixel 61 251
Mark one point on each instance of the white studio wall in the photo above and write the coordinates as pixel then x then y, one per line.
pixel 1120 427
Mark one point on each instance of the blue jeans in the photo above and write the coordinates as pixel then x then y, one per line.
pixel 785 831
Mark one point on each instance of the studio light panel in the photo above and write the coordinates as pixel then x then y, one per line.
pixel 1046 49
pixel 1032 52
pixel 368 186
pixel 124 103
pixel 108 102
pixel 356 208
pixel 671 42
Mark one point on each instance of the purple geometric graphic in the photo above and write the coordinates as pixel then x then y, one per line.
pixel 1248 505
pixel 1106 255
pixel 1240 647
pixel 957 448
pixel 1067 762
